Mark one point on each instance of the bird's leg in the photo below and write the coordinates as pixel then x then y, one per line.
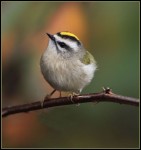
pixel 47 97
pixel 60 94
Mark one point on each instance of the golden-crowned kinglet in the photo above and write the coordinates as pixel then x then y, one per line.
pixel 65 64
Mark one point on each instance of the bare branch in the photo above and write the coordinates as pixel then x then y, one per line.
pixel 105 96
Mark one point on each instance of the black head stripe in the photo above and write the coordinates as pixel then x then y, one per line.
pixel 69 37
pixel 63 45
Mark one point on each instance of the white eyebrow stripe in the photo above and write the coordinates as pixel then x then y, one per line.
pixel 68 42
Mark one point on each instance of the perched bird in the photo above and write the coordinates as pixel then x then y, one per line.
pixel 66 65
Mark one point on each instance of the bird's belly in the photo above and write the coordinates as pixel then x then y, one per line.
pixel 66 77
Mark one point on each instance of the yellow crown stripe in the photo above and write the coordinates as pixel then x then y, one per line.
pixel 69 34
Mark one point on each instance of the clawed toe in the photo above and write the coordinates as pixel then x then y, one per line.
pixel 71 95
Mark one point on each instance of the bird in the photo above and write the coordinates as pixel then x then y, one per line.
pixel 66 65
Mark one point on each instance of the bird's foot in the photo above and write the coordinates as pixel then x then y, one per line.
pixel 71 95
pixel 47 97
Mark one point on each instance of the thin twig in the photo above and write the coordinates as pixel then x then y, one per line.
pixel 105 96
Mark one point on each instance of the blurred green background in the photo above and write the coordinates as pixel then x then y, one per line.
pixel 110 31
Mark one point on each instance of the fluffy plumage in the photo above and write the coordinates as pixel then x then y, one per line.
pixel 66 65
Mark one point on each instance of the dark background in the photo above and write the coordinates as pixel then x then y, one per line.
pixel 110 31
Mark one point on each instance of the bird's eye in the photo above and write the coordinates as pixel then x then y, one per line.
pixel 62 44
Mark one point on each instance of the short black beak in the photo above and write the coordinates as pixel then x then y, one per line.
pixel 51 36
